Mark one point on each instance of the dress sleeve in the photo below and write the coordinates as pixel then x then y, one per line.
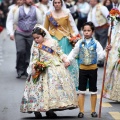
pixel 34 57
pixel 46 23
pixel 72 26
pixel 59 51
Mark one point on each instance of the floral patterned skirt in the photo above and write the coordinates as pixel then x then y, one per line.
pixel 112 81
pixel 54 90
pixel 66 47
pixel 112 86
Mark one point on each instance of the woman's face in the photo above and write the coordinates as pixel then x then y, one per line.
pixel 38 38
pixel 107 2
pixel 57 4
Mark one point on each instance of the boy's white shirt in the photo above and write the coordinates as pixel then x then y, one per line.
pixel 75 51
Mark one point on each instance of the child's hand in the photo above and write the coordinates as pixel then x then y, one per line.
pixel 66 64
pixel 108 47
pixel 64 59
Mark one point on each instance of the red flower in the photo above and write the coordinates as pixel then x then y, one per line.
pixel 1 28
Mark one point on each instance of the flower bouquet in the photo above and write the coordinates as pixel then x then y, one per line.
pixel 39 67
pixel 114 14
pixel 73 39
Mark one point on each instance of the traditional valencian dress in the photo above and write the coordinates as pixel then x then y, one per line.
pixel 60 29
pixel 55 89
pixel 112 81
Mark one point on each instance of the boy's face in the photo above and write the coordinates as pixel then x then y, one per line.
pixel 38 38
pixel 87 31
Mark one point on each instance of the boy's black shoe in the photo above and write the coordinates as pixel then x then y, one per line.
pixel 94 114
pixel 38 114
pixel 80 115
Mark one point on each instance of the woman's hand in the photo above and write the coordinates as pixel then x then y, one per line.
pixel 33 71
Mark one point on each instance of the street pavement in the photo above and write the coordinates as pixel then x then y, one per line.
pixel 11 91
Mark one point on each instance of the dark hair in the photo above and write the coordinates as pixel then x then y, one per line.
pixel 89 24
pixel 39 31
pixel 60 1
pixel 104 2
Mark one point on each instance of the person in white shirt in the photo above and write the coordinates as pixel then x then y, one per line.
pixel 83 9
pixel 43 6
pixel 10 18
pixel 98 15
pixel 88 50
pixel 25 18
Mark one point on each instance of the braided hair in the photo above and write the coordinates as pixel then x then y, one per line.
pixel 39 31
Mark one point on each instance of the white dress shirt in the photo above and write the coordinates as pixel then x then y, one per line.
pixel 43 8
pixel 83 8
pixel 92 17
pixel 9 21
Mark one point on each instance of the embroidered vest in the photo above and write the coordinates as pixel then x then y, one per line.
pixel 26 22
pixel 101 20
pixel 87 53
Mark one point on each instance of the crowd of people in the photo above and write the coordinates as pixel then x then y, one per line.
pixel 42 30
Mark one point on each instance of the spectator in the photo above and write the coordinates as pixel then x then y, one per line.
pixel 98 15
pixel 108 4
pixel 83 9
pixel 61 25
pixel 71 5
pixel 26 16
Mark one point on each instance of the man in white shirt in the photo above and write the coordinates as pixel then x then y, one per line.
pixel 98 15
pixel 43 6
pixel 10 18
pixel 25 18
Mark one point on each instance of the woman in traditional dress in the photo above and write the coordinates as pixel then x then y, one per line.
pixel 112 81
pixel 54 89
pixel 60 24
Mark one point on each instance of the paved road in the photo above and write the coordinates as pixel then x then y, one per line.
pixel 11 91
